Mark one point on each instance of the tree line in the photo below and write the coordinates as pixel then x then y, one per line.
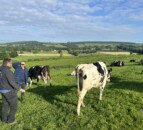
pixel 75 48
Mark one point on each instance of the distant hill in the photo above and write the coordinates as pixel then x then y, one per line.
pixel 79 42
pixel 72 47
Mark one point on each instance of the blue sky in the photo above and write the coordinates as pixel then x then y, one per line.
pixel 71 20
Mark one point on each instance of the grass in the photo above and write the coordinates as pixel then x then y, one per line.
pixel 54 108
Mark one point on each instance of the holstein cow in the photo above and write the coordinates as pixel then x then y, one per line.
pixel 132 60
pixel 40 72
pixel 89 76
pixel 117 63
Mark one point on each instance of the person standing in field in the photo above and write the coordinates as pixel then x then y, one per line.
pixel 21 75
pixel 8 90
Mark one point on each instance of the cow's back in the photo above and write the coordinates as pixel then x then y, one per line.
pixel 94 75
pixel 89 76
pixel 35 71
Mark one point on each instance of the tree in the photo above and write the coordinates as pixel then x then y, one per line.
pixel 75 53
pixel 3 55
pixel 13 54
pixel 61 53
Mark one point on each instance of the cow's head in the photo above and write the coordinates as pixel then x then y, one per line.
pixel 45 72
pixel 73 73
pixel 123 63
pixel 76 71
pixel 109 74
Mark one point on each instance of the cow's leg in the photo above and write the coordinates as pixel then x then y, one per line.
pixel 78 87
pixel 38 81
pixel 82 104
pixel 49 77
pixel 30 81
pixel 101 90
pixel 78 92
pixel 44 79
pixel 80 101
pixel 27 84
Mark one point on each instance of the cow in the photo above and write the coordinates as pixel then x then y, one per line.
pixel 117 63
pixel 39 72
pixel 132 60
pixel 88 76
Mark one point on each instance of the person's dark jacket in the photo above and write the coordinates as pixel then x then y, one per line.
pixel 19 72
pixel 7 80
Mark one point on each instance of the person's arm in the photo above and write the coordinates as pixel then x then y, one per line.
pixel 15 65
pixel 11 80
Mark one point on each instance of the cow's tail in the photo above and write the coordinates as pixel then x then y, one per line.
pixel 79 80
pixel 78 90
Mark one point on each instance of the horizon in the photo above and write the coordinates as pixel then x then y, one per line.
pixel 71 21
pixel 48 42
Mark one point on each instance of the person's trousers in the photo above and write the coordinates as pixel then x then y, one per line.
pixel 22 84
pixel 9 106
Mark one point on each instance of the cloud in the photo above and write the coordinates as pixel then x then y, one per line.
pixel 72 19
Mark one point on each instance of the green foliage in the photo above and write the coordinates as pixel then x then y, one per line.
pixel 13 54
pixel 3 54
pixel 21 52
pixel 61 53
pixel 35 52
pixel 73 47
pixel 75 53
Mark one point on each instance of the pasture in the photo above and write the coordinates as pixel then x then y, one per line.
pixel 114 53
pixel 54 108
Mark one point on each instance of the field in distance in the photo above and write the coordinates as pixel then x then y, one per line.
pixel 113 53
pixel 65 53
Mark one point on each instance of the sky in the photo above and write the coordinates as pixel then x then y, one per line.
pixel 71 20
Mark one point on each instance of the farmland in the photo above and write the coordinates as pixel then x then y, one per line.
pixel 114 53
pixel 54 108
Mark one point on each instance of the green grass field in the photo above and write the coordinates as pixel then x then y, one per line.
pixel 54 108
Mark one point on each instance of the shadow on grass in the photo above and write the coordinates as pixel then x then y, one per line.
pixel 117 83
pixel 50 93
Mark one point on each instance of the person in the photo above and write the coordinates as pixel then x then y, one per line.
pixel 8 90
pixel 21 75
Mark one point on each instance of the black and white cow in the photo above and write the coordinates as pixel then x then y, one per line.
pixel 132 60
pixel 88 76
pixel 117 63
pixel 40 72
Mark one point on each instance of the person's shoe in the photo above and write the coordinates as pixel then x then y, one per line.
pixel 12 123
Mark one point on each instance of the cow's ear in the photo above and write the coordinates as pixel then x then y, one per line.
pixel 85 76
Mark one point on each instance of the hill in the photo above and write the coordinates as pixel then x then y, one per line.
pixel 72 47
